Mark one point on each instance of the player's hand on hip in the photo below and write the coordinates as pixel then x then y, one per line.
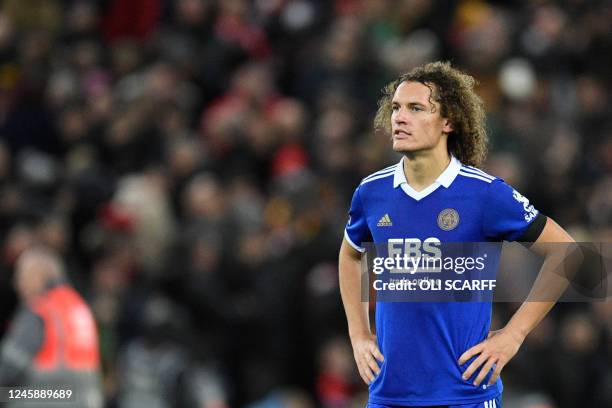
pixel 496 351
pixel 366 353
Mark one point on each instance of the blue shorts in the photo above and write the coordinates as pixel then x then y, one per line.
pixel 494 403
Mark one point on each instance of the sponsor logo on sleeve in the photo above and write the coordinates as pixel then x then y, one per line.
pixel 530 211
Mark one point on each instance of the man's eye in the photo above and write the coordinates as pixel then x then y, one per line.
pixel 415 108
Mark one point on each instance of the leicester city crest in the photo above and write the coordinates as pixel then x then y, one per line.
pixel 448 219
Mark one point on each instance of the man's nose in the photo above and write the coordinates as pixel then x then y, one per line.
pixel 401 116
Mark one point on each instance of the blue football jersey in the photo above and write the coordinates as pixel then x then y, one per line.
pixel 422 341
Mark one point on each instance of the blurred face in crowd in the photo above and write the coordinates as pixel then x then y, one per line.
pixel 416 124
pixel 30 276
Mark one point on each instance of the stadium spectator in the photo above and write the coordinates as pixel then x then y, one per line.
pixel 53 341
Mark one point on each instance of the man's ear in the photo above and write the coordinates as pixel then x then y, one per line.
pixel 447 127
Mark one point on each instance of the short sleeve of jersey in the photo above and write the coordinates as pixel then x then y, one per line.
pixel 357 230
pixel 507 213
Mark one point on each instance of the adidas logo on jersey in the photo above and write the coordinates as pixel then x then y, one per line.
pixel 385 221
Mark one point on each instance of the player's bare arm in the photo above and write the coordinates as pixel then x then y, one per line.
pixel 501 346
pixel 365 348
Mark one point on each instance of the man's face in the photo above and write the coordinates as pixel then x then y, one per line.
pixel 29 280
pixel 414 127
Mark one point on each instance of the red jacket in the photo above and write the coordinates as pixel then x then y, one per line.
pixel 71 338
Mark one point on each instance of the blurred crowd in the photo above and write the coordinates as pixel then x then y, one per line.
pixel 193 161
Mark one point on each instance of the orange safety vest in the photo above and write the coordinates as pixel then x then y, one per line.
pixel 70 335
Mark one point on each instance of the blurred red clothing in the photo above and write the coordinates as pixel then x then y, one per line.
pixel 71 337
pixel 132 19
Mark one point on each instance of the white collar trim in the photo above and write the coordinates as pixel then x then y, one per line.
pixel 445 179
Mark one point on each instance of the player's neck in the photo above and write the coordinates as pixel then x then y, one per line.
pixel 423 168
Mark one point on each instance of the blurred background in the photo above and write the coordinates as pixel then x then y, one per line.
pixel 192 161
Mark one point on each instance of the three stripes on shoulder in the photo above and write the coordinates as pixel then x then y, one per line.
pixel 386 172
pixel 473 172
pixel 466 171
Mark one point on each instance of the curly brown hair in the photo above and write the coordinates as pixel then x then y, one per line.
pixel 454 91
